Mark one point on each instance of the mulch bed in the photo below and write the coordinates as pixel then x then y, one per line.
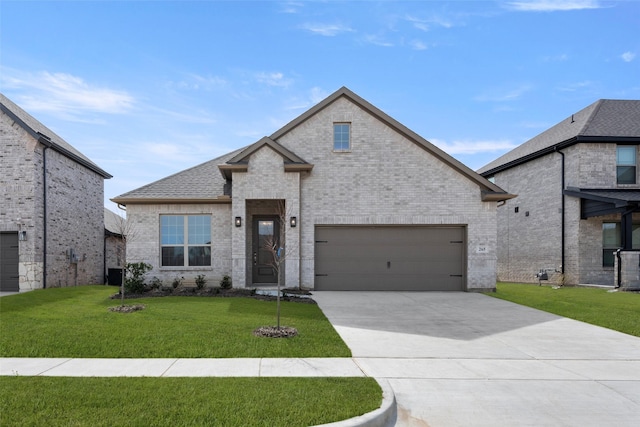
pixel 289 294
pixel 127 308
pixel 275 332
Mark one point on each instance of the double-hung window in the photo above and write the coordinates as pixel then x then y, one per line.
pixel 185 240
pixel 626 164
pixel 342 137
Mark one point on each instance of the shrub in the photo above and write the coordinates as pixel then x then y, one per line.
pixel 225 283
pixel 155 283
pixel 177 282
pixel 200 281
pixel 134 279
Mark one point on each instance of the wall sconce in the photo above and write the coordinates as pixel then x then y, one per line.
pixel 238 221
pixel 22 235
pixel 293 221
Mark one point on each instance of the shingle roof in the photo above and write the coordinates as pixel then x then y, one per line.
pixel 112 222
pixel 605 119
pixel 201 183
pixel 46 135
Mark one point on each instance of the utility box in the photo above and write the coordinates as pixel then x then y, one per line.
pixel 114 277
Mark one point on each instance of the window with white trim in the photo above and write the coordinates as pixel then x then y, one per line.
pixel 342 137
pixel 185 240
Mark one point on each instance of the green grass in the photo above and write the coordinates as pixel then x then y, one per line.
pixel 76 322
pixel 61 401
pixel 619 311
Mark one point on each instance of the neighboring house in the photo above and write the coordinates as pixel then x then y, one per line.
pixel 114 246
pixel 51 207
pixel 578 197
pixel 369 205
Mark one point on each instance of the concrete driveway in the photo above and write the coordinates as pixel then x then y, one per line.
pixel 466 359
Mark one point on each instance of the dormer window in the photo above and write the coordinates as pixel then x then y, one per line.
pixel 626 164
pixel 342 137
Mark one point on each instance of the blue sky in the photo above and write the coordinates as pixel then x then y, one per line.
pixel 149 88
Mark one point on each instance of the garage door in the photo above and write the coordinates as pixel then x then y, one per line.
pixel 389 258
pixel 9 262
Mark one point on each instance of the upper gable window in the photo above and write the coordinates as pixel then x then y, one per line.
pixel 342 137
pixel 626 164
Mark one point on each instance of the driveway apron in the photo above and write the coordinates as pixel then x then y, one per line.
pixel 466 359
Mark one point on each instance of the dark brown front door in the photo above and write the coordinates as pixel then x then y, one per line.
pixel 265 231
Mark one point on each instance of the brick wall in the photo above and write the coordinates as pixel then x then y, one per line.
pixel 143 245
pixel 74 211
pixel 528 243
pixel 385 179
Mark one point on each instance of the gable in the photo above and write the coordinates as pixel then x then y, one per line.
pixel 240 162
pixel 606 120
pixel 46 136
pixel 489 191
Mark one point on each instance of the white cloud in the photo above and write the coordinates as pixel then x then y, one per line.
pixel 377 40
pixel 273 79
pixel 503 95
pixel 628 56
pixel 572 87
pixel 64 94
pixel 473 147
pixel 426 24
pixel 291 7
pixel 553 5
pixel 556 58
pixel 327 30
pixel 418 45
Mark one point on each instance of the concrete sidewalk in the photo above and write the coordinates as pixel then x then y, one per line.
pixel 70 367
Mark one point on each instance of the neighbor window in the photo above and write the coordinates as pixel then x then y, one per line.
pixel 612 240
pixel 185 234
pixel 626 164
pixel 341 137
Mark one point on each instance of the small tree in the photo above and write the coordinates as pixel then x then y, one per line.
pixel 276 246
pixel 126 229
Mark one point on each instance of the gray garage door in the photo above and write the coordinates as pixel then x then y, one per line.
pixel 9 262
pixel 390 258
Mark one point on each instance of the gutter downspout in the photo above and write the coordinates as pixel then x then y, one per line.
pixel 47 144
pixel 562 238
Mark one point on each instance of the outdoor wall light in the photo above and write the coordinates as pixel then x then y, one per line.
pixel 293 221
pixel 238 221
pixel 22 235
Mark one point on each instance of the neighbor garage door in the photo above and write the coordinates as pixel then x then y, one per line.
pixel 9 262
pixel 389 258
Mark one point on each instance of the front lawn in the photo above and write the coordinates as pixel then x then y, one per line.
pixel 76 322
pixel 62 401
pixel 619 311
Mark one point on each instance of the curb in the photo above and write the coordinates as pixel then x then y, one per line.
pixel 384 416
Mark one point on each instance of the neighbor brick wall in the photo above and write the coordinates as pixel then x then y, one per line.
pixel 74 211
pixel 526 244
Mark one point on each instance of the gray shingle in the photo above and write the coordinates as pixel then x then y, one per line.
pixel 603 118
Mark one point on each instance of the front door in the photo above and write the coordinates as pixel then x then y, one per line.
pixel 265 232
